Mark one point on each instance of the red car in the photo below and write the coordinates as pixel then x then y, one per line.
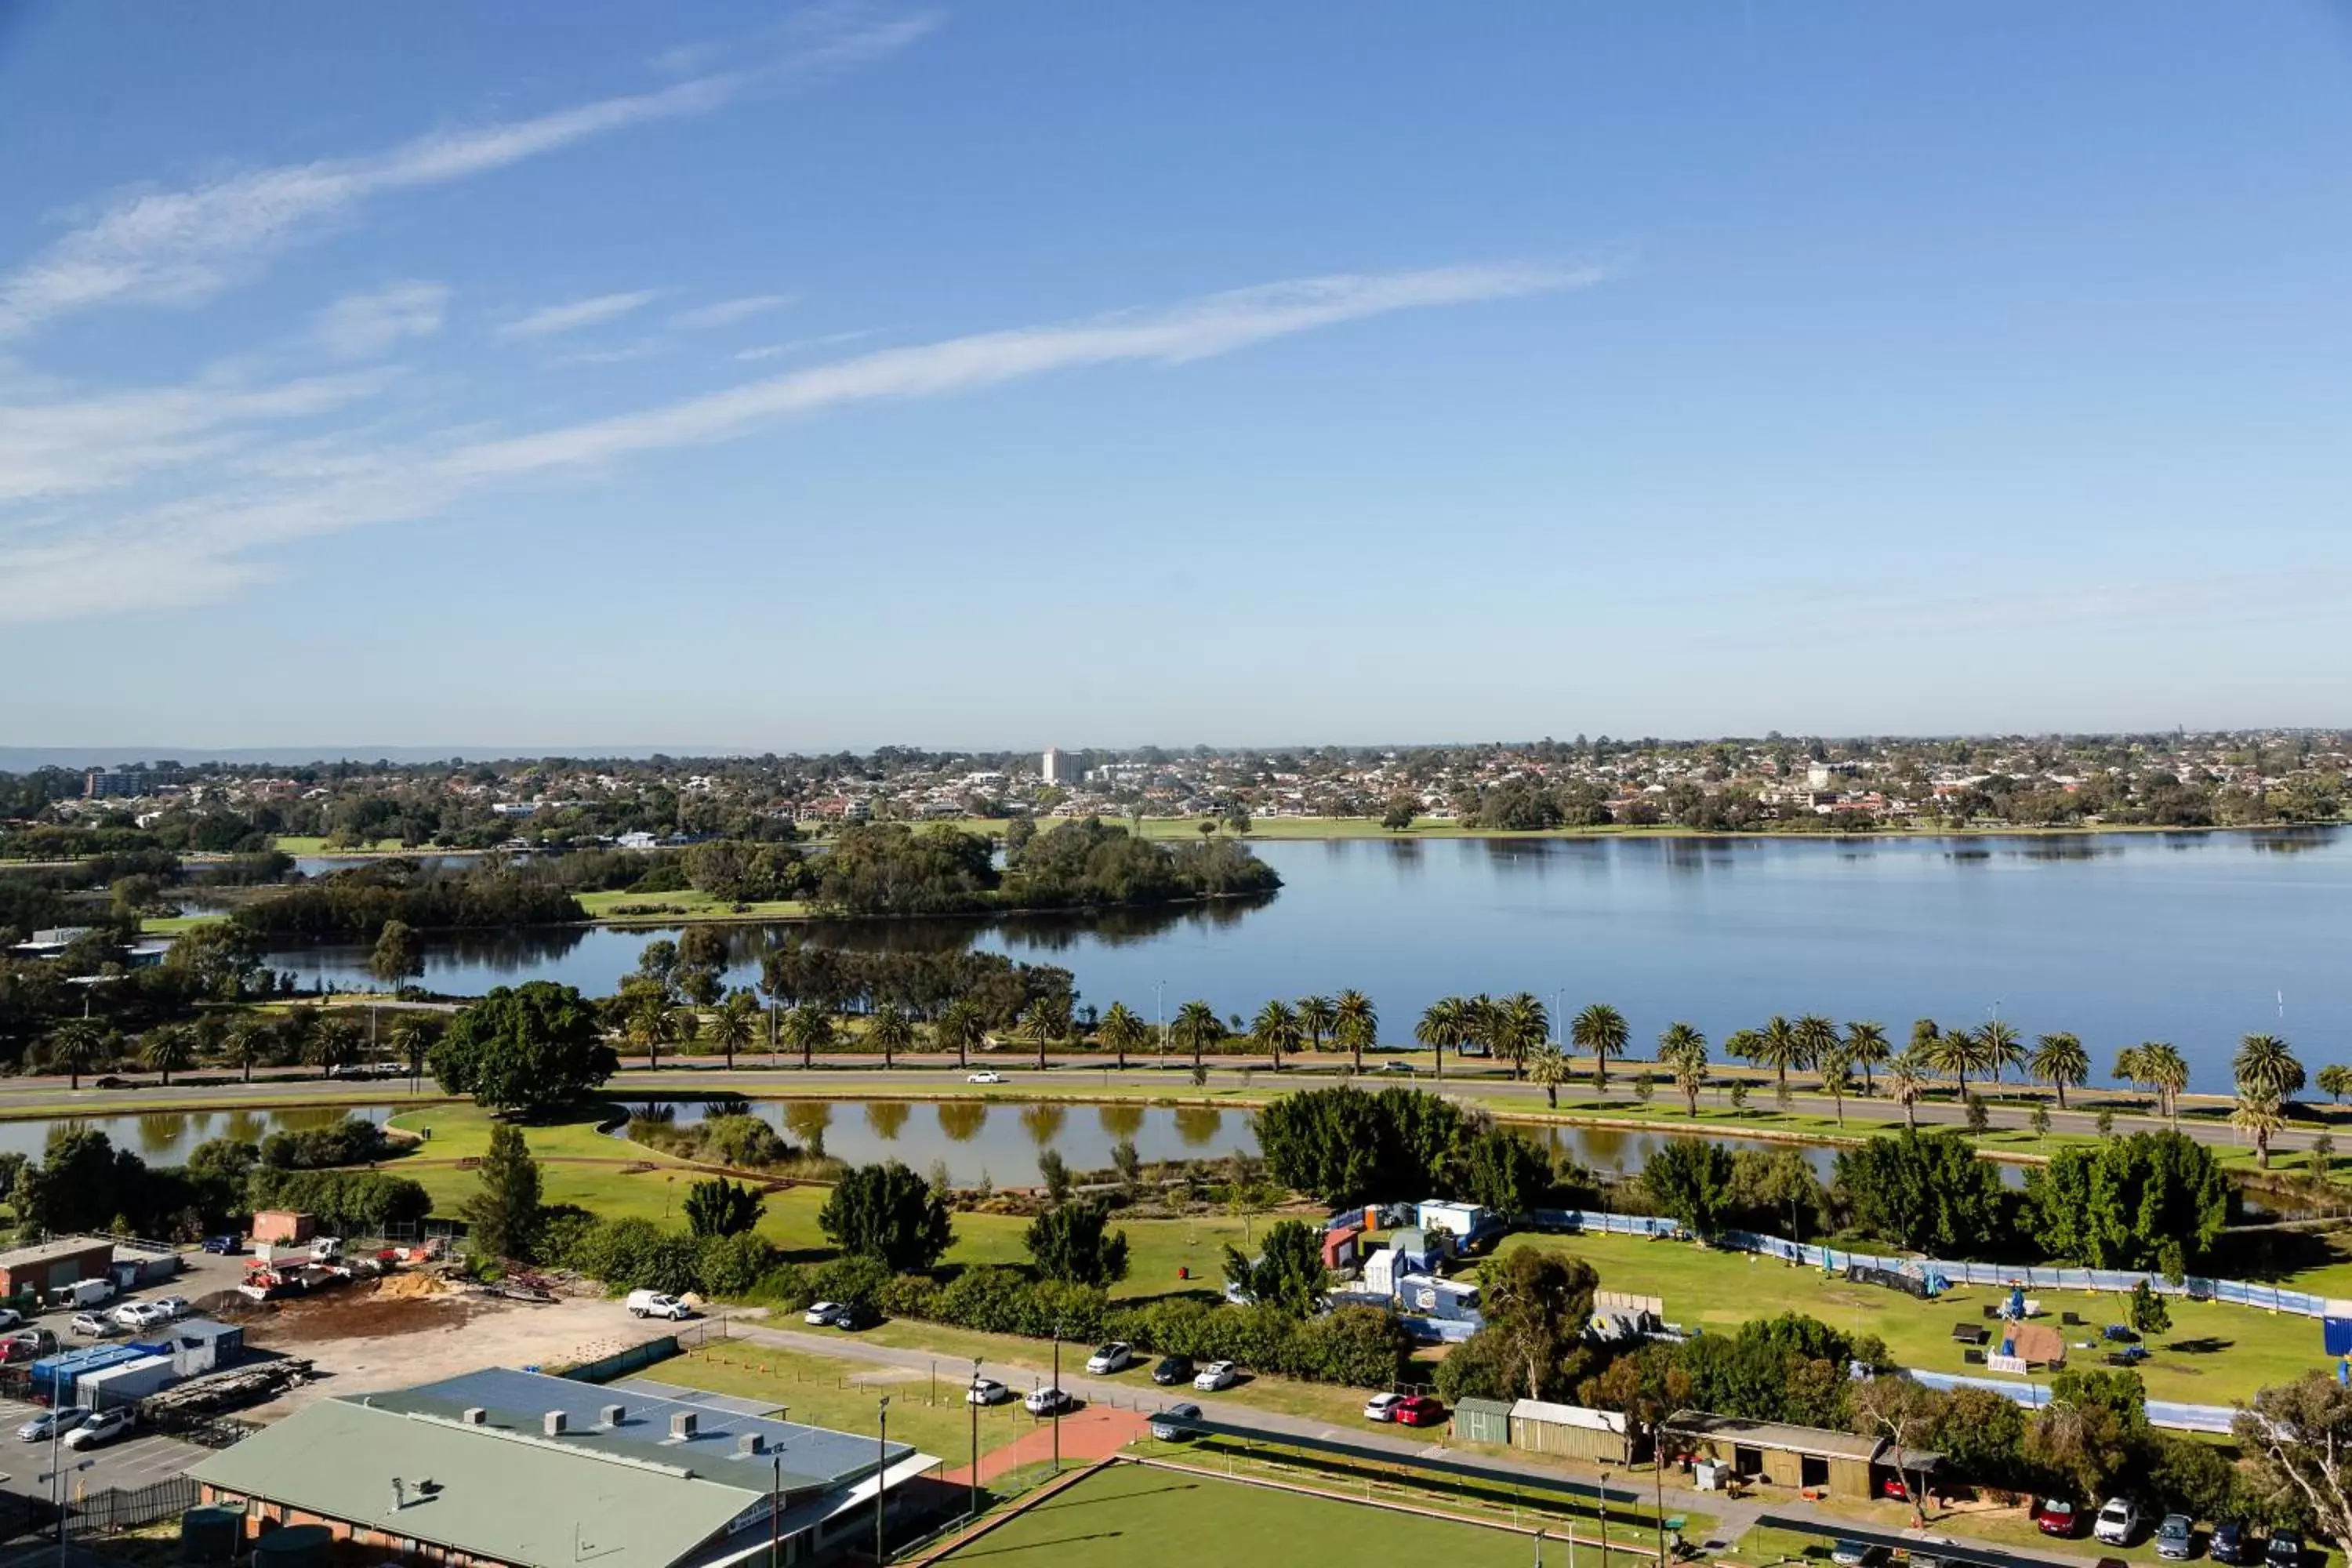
pixel 1419 1410
pixel 2055 1517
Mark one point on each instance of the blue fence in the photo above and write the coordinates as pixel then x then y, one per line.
pixel 2169 1413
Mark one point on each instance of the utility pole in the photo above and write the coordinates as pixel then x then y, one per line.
pixel 881 1476
pixel 776 1516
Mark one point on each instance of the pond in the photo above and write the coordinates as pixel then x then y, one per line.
pixel 166 1137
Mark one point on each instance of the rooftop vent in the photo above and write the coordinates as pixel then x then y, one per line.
pixel 475 1416
pixel 553 1423
pixel 750 1443
pixel 681 1426
pixel 611 1414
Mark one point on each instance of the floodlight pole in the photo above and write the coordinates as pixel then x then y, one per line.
pixel 1604 1516
pixel 975 1434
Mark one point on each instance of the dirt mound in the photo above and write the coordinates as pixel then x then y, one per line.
pixel 357 1315
pixel 407 1287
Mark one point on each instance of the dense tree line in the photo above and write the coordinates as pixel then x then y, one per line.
pixel 1346 1145
pixel 359 901
pixel 890 869
pixel 843 980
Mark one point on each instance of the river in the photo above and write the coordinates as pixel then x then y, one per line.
pixel 166 1137
pixel 2195 938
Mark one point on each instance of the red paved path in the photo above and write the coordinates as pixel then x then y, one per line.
pixel 1093 1432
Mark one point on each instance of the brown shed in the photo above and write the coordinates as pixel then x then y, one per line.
pixel 1800 1457
pixel 53 1264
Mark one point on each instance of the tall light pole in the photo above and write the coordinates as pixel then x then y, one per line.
pixel 975 1436
pixel 881 1475
pixel 1059 1398
pixel 1159 1015
pixel 1604 1516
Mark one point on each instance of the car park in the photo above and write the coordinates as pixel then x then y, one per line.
pixel 1046 1401
pixel 986 1391
pixel 2055 1517
pixel 102 1428
pixel 820 1314
pixel 1857 1554
pixel 1172 1370
pixel 48 1422
pixel 2284 1550
pixel 95 1325
pixel 1217 1374
pixel 2173 1536
pixel 2117 1523
pixel 1116 1356
pixel 2228 1543
pixel 1173 1424
pixel 984 1075
pixel 1382 1406
pixel 1419 1410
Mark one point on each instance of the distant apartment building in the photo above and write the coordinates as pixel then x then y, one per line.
pixel 1059 767
pixel 115 784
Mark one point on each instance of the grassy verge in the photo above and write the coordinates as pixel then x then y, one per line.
pixel 843 1395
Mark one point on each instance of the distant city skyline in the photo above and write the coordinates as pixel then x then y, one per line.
pixel 880 371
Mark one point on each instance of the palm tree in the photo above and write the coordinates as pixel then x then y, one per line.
pixel 410 1038
pixel 1682 1050
pixel 1779 1048
pixel 1480 1026
pixel 2131 1065
pixel 167 1049
pixel 685 1025
pixel 1548 1067
pixel 1817 1037
pixel 649 1026
pixel 1955 1053
pixel 2335 1081
pixel 2060 1061
pixel 335 1043
pixel 1904 1081
pixel 1044 1020
pixel 1444 1023
pixel 2262 1116
pixel 1356 1023
pixel 808 1026
pixel 1837 1074
pixel 1600 1029
pixel 2167 1070
pixel 77 1044
pixel 730 1026
pixel 1744 1045
pixel 1318 1016
pixel 1867 1044
pixel 1924 1035
pixel 1196 1029
pixel 1516 1027
pixel 1275 1030
pixel 2266 1068
pixel 248 1042
pixel 959 1025
pixel 1122 1031
pixel 891 1029
pixel 1998 1047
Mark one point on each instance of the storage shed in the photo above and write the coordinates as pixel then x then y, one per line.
pixel 1838 1464
pixel 1340 1244
pixel 1481 1421
pixel 53 1264
pixel 132 1380
pixel 56 1377
pixel 201 1345
pixel 1572 1431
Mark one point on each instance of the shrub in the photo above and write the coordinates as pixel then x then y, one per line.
pixel 733 1266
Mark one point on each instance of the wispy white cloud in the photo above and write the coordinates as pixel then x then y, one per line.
pixel 726 312
pixel 205 545
pixel 798 345
pixel 360 326
pixel 578 313
pixel 167 247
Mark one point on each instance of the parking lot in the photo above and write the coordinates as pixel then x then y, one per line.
pixel 132 1461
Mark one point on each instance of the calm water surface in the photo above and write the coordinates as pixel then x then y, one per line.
pixel 166 1137
pixel 2194 938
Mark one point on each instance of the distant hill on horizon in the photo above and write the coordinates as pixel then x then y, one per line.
pixel 26 759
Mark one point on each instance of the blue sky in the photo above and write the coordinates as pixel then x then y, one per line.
pixel 1103 375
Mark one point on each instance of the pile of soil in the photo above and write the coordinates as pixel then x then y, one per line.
pixel 355 1314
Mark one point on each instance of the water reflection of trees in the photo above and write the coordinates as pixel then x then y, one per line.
pixel 961 1120
pixel 244 1127
pixel 160 1132
pixel 886 1116
pixel 1044 1123
pixel 1197 1126
pixel 1120 1121
pixel 808 1120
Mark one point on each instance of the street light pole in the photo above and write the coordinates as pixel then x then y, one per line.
pixel 881 1476
pixel 1060 1399
pixel 975 1437
pixel 1604 1516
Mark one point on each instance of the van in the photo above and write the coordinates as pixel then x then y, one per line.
pixel 85 1293
pixel 654 1304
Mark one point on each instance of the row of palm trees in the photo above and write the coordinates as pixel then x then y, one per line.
pixel 314 1038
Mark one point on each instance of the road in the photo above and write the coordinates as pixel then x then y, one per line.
pixel 1078 1076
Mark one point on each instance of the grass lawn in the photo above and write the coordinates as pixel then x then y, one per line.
pixel 842 1394
pixel 685 904
pixel 1135 1515
pixel 2213 1354
pixel 308 844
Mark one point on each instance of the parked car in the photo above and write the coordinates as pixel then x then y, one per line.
pixel 1217 1374
pixel 137 1315
pixel 1420 1410
pixel 175 1308
pixel 102 1428
pixel 96 1325
pixel 985 1075
pixel 2117 1523
pixel 1116 1356
pixel 28 1344
pixel 1172 1425
pixel 1048 1401
pixel 1927 1551
pixel 40 1427
pixel 1382 1406
pixel 1172 1370
pixel 2284 1550
pixel 2055 1517
pixel 654 1304
pixel 1857 1554
pixel 2172 1537
pixel 820 1314
pixel 2228 1543
pixel 224 1246
pixel 1896 1488
pixel 986 1391
pixel 10 1317
pixel 852 1316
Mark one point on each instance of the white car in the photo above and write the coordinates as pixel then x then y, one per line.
pixel 42 1426
pixel 1382 1406
pixel 986 1391
pixel 1116 1356
pixel 173 1308
pixel 137 1315
pixel 102 1428
pixel 984 1075
pixel 821 1314
pixel 2117 1523
pixel 1046 1401
pixel 1217 1374
pixel 9 1319
pixel 96 1325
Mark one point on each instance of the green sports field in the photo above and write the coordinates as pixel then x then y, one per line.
pixel 1132 1516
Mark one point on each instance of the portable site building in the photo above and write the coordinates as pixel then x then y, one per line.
pixel 1341 1244
pixel 201 1345
pixel 1482 1420
pixel 1572 1431
pixel 56 1377
pixel 129 1381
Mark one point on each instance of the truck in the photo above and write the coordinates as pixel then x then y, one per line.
pixel 654 1304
